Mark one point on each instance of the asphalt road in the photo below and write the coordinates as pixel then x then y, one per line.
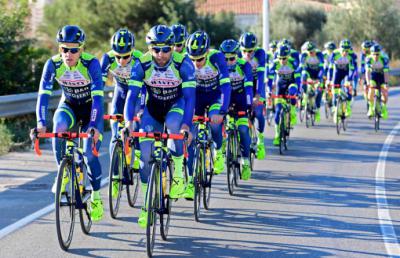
pixel 321 199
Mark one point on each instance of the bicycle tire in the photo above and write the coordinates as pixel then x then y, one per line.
pixel 230 164
pixel 84 214
pixel 237 174
pixel 165 216
pixel 69 194
pixel 282 132
pixel 132 190
pixel 152 208
pixel 308 115
pixel 377 109
pixel 344 120
pixel 287 129
pixel 198 189
pixel 117 163
pixel 207 177
pixel 338 116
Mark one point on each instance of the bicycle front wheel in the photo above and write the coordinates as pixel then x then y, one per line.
pixel 84 214
pixel 152 202
pixel 230 164
pixel 117 167
pixel 207 176
pixel 198 173
pixel 132 189
pixel 165 215
pixel 65 204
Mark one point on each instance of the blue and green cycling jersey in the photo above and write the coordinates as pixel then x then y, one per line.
pixel 341 64
pixel 312 65
pixel 380 66
pixel 121 74
pixel 241 78
pixel 81 84
pixel 164 86
pixel 258 63
pixel 326 54
pixel 213 79
pixel 284 74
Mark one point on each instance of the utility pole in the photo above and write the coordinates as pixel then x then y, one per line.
pixel 265 24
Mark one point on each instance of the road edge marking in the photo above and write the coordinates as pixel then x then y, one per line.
pixel 32 217
pixel 385 221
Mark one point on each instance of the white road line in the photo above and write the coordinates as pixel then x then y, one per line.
pixel 385 221
pixel 30 218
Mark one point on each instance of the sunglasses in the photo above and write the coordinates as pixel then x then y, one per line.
pixel 123 57
pixel 165 49
pixel 194 59
pixel 233 58
pixel 282 58
pixel 375 54
pixel 72 50
pixel 248 50
pixel 179 45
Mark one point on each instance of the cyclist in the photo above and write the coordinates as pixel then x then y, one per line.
pixel 180 38
pixel 293 52
pixel 119 61
pixel 355 76
pixel 256 57
pixel 312 66
pixel 240 74
pixel 341 70
pixel 213 90
pixel 170 82
pixel 329 48
pixel 365 51
pixel 377 75
pixel 269 57
pixel 287 81
pixel 79 76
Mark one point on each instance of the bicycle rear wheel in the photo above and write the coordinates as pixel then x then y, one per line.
pixel 115 185
pixel 152 208
pixel 198 173
pixel 65 204
pixel 207 176
pixel 165 215
pixel 132 190
pixel 84 214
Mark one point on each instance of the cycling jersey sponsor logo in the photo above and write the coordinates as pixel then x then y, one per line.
pixel 236 81
pixel 207 79
pixel 163 79
pixel 72 79
pixel 122 74
pixel 342 62
pixel 286 72
pixel 94 115
pixel 77 92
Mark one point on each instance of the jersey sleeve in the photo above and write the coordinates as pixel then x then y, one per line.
pixel 248 83
pixel 218 60
pixel 97 94
pixel 187 73
pixel 260 55
pixel 134 88
pixel 45 91
pixel 105 66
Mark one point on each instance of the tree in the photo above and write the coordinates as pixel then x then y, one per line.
pixel 20 61
pixel 101 18
pixel 367 19
pixel 298 22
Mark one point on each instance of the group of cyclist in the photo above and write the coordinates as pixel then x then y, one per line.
pixel 180 77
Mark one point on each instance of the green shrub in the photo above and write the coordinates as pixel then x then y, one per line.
pixel 5 138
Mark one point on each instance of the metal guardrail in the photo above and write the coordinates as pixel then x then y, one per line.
pixel 22 104
pixel 394 72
